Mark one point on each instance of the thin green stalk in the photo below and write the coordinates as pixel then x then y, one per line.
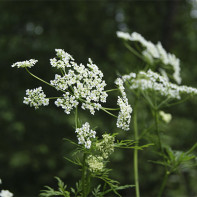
pixel 157 130
pixel 111 90
pixel 54 97
pixel 38 77
pixel 84 176
pixel 163 184
pixel 76 118
pixel 134 51
pixel 162 151
pixel 135 159
pixel 111 109
pixel 108 112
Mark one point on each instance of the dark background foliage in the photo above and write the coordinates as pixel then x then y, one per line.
pixel 31 141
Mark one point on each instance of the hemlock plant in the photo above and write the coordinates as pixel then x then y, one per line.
pixel 82 86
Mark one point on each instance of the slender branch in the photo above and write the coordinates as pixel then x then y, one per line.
pixel 108 112
pixel 38 77
pixel 111 90
pixel 111 109
pixel 134 51
pixel 54 97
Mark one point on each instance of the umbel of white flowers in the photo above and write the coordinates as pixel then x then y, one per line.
pixel 124 116
pixel 153 53
pixel 85 135
pixel 152 81
pixel 77 83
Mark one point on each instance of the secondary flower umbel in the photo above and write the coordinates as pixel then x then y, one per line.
pixel 28 63
pixel 85 135
pixel 124 116
pixel 35 98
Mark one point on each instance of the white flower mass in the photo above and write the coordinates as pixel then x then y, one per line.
pixel 153 52
pixel 124 116
pixel 28 63
pixel 35 98
pixel 85 134
pixel 153 81
pixel 85 83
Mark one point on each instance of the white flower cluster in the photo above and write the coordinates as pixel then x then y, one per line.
pixel 95 163
pixel 64 61
pixel 5 193
pixel 106 146
pixel 153 81
pixel 124 116
pixel 155 52
pixel 68 102
pixel 85 134
pixel 85 83
pixel 35 98
pixel 28 63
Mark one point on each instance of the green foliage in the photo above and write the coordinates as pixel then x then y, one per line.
pixel 60 192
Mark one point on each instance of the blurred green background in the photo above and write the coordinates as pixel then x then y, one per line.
pixel 31 141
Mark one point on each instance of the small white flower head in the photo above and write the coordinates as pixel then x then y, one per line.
pixel 124 116
pixel 106 146
pixel 65 59
pixel 123 35
pixel 166 117
pixel 6 193
pixel 35 98
pixel 95 163
pixel 28 63
pixel 85 135
pixel 68 102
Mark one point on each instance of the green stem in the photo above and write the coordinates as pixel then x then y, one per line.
pixel 38 78
pixel 111 90
pixel 134 51
pixel 137 191
pixel 76 118
pixel 157 130
pixel 54 97
pixel 84 177
pixel 163 184
pixel 111 109
pixel 108 112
